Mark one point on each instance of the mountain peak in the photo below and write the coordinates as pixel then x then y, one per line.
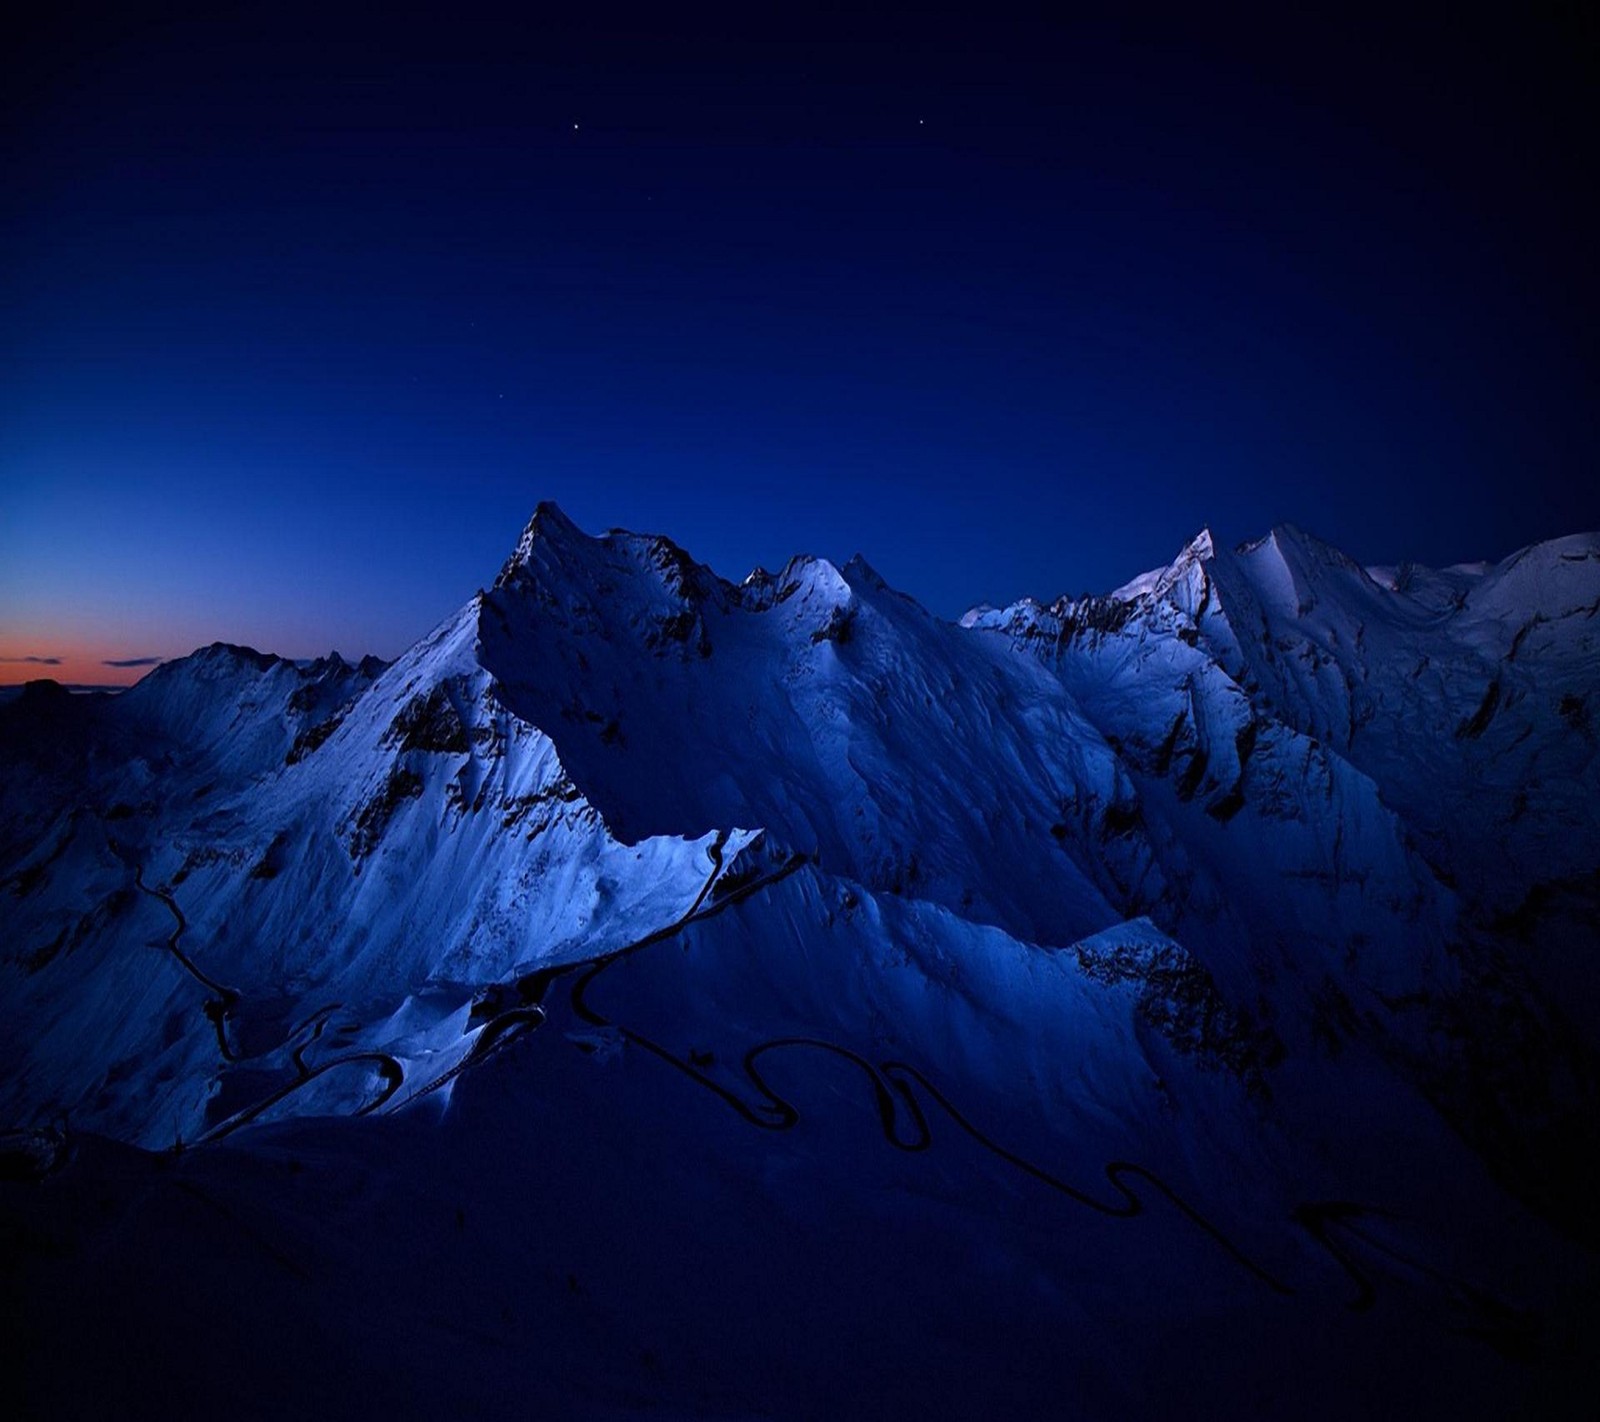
pixel 548 528
pixel 1199 548
pixel 1159 581
pixel 551 524
pixel 859 569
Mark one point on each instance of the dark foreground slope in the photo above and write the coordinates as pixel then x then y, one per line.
pixel 656 994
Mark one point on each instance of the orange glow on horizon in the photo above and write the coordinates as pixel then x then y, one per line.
pixel 25 657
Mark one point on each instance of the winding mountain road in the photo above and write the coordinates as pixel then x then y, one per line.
pixel 389 1069
pixel 898 1089
pixel 222 999
pixel 1333 1226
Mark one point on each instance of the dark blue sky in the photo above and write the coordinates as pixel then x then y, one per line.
pixel 305 309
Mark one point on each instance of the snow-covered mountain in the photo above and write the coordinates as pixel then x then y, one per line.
pixel 749 927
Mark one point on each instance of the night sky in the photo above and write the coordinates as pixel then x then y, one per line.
pixel 303 312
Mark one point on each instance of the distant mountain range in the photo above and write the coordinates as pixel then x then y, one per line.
pixel 669 994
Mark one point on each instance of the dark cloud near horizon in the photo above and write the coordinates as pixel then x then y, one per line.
pixel 35 661
pixel 133 662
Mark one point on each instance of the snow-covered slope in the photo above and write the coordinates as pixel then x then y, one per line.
pixel 1263 889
